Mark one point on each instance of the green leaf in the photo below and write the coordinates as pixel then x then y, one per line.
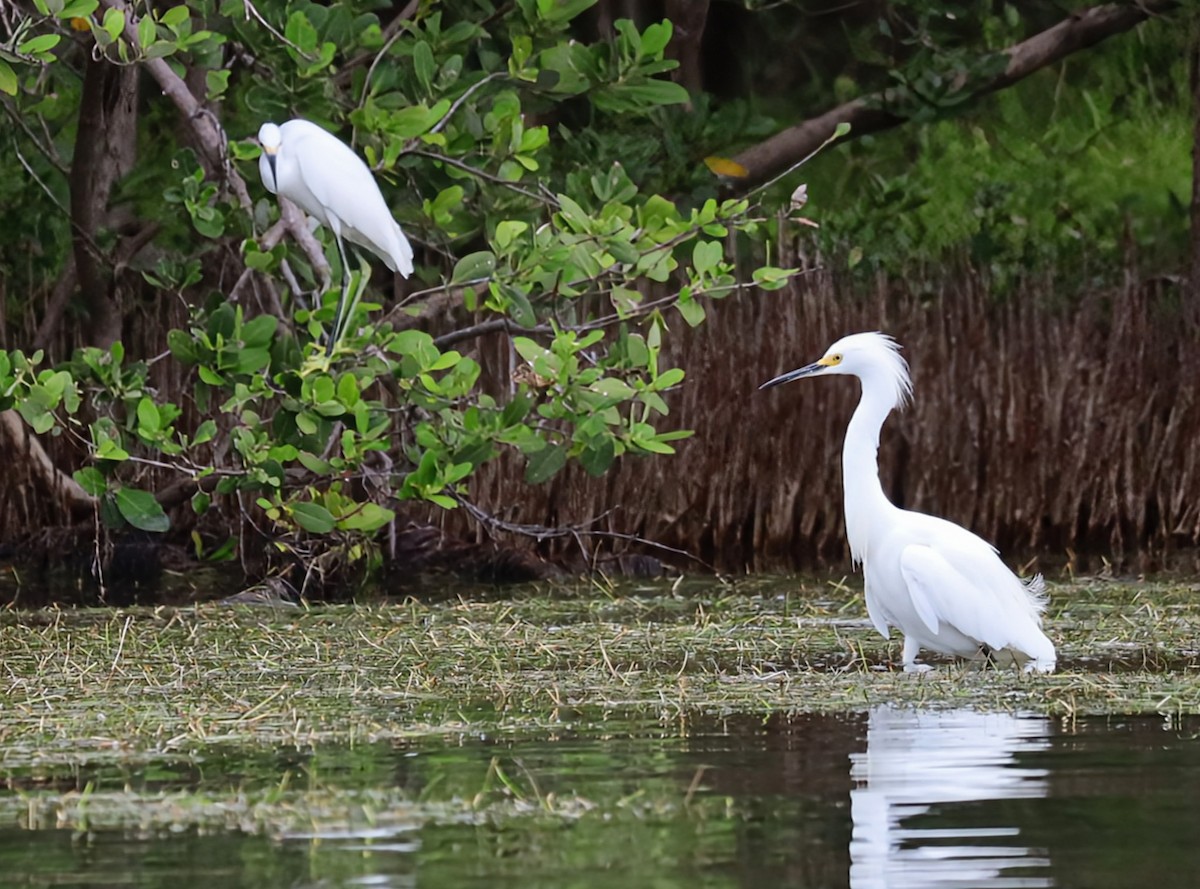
pixel 313 463
pixel 545 464
pixel 216 82
pixel 522 309
pixel 655 39
pixel 415 120
pixel 639 96
pixel 347 390
pixel 40 44
pixel 175 16
pixel 182 346
pixel 598 456
pixel 528 349
pixel 415 343
pixel 91 480
pixel 8 78
pixel 210 376
pixel 300 31
pixel 146 31
pixel 423 64
pixel 141 510
pixel 706 255
pixel 108 449
pixel 78 9
pixel 313 518
pixel 668 378
pixel 200 500
pixel 508 231
pixel 562 10
pixel 771 278
pixel 114 23
pixel 611 387
pixel 692 311
pixel 259 330
pixel 474 266
pixel 252 360
pixel 205 432
pixel 149 421
pixel 367 517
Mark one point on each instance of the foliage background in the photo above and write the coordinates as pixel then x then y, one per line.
pixel 1022 246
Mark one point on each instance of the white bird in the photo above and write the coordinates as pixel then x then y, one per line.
pixel 319 172
pixel 943 587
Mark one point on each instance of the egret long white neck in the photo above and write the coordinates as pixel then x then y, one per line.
pixel 863 492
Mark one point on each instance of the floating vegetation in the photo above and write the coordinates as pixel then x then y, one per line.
pixel 177 680
pixel 271 722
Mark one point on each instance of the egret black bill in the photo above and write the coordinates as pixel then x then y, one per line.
pixel 806 371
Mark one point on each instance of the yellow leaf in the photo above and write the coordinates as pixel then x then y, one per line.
pixel 723 166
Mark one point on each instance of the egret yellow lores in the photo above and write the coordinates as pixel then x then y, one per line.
pixel 943 587
pixel 320 173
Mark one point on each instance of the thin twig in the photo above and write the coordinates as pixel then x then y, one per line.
pixel 541 532
pixel 252 12
pixel 488 177
pixel 466 95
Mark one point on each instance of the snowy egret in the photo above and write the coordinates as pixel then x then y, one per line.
pixel 315 169
pixel 943 587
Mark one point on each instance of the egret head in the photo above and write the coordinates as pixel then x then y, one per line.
pixel 270 138
pixel 872 357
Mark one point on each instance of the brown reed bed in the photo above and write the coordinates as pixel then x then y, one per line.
pixel 1065 432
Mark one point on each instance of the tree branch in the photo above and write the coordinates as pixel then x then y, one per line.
pixel 22 444
pixel 879 111
pixel 212 140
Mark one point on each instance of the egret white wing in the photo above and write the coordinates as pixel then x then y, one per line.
pixel 940 590
pixel 336 176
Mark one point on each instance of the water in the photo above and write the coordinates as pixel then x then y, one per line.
pixel 888 798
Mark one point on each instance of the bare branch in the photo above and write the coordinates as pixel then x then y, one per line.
pixel 871 114
pixel 542 532
pixel 213 140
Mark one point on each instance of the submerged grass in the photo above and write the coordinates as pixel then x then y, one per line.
pixel 181 679
pixel 108 717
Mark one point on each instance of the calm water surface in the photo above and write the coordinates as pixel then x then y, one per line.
pixel 887 798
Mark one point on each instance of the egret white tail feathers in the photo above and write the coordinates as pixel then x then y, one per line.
pixel 400 258
pixel 1035 589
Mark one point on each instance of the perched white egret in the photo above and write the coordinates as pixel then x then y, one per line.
pixel 943 587
pixel 315 169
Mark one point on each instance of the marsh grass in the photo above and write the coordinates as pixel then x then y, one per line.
pixel 177 679
pixel 137 690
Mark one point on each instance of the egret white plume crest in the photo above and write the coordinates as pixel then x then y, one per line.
pixel 943 587
pixel 891 362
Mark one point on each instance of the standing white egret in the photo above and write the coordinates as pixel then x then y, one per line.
pixel 943 587
pixel 319 172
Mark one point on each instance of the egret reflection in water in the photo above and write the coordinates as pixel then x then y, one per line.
pixel 923 764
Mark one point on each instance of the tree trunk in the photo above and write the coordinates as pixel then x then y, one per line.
pixel 105 149
pixel 1193 296
pixel 689 18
